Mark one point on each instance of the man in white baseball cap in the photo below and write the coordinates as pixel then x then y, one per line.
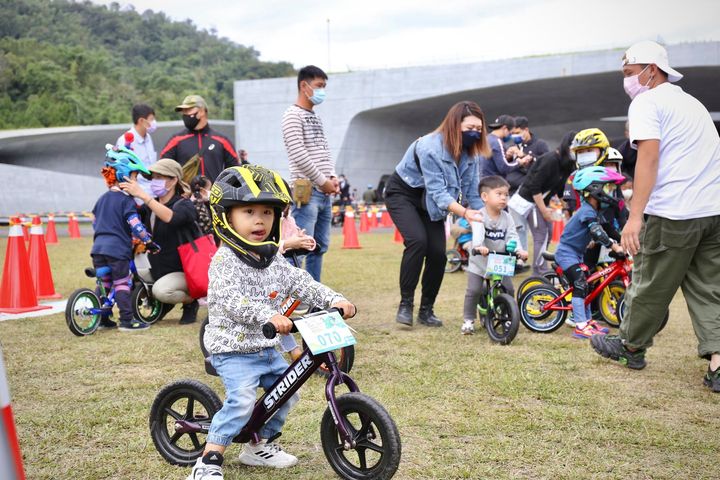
pixel 673 230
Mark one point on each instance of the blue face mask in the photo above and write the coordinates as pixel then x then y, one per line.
pixel 318 96
pixel 517 138
pixel 470 138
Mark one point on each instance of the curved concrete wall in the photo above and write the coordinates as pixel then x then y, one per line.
pixel 371 117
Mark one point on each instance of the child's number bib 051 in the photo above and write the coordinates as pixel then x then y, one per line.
pixel 323 333
pixel 501 265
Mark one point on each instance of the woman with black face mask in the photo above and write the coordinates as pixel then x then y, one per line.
pixel 546 178
pixel 437 175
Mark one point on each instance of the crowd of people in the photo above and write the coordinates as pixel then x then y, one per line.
pixel 497 177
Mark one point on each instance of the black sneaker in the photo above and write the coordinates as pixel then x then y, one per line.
pixel 189 314
pixel 611 346
pixel 106 323
pixel 133 325
pixel 405 312
pixel 712 379
pixel 427 317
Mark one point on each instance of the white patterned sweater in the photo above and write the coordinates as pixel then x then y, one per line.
pixel 240 303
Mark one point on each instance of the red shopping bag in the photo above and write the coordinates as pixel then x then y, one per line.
pixel 195 256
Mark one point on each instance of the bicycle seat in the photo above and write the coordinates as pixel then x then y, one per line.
pixel 548 256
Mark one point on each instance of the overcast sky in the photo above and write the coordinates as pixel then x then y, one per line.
pixel 368 34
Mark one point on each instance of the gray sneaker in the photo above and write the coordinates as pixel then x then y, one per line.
pixel 611 346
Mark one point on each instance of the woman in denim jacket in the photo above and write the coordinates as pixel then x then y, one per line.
pixel 437 175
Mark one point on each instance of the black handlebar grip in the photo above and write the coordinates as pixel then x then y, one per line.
pixel 269 330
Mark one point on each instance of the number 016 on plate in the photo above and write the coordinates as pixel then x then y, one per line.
pixel 326 332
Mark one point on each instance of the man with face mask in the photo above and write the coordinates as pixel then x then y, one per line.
pixel 674 226
pixel 144 123
pixel 214 150
pixel 312 169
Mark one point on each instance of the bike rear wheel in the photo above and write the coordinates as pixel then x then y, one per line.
pixel 146 307
pixel 532 314
pixel 78 317
pixel 187 400
pixel 376 451
pixel 503 320
pixel 454 261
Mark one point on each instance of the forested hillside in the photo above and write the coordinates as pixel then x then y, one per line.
pixel 72 63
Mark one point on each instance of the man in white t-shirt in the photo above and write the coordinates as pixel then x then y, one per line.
pixel 674 225
pixel 144 123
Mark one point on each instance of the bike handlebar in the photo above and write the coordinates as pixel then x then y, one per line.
pixel 515 253
pixel 270 331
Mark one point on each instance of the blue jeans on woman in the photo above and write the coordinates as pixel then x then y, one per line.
pixel 242 374
pixel 315 218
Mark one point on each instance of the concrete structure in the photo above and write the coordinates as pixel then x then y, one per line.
pixel 58 169
pixel 371 117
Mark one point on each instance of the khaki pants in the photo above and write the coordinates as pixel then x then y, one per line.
pixel 172 289
pixel 675 253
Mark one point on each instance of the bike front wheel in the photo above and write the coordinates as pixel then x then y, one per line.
pixel 187 400
pixel 454 261
pixel 622 312
pixel 78 312
pixel 503 320
pixel 532 314
pixel 375 451
pixel 608 303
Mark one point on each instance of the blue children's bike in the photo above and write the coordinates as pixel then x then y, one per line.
pixel 85 308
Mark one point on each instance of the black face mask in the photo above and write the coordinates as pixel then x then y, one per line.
pixel 191 121
pixel 470 138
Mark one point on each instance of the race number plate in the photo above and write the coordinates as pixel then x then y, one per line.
pixel 501 265
pixel 323 333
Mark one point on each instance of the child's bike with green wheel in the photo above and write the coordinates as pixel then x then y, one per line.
pixel 497 309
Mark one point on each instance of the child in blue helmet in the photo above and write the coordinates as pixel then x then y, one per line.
pixel 116 222
pixel 596 186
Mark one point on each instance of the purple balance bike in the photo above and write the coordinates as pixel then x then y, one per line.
pixel 359 438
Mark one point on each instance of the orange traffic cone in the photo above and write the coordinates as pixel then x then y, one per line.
pixel 73 226
pixel 373 218
pixel 398 237
pixel 558 226
pixel 17 291
pixel 350 237
pixel 51 234
pixel 39 262
pixel 364 227
pixel 11 466
pixel 385 219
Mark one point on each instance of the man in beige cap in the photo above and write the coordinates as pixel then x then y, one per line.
pixel 674 225
pixel 171 217
pixel 208 151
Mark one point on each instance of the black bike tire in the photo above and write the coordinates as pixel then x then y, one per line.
pixel 70 312
pixel 513 312
pixel 168 395
pixel 534 279
pixel 560 314
pixel 137 296
pixel 383 426
pixel 597 303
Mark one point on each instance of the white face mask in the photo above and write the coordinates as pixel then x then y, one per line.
pixel 585 159
pixel 627 194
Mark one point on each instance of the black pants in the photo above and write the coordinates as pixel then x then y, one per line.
pixel 424 240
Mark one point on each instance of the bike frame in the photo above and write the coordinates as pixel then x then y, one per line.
pixel 109 297
pixel 618 268
pixel 283 389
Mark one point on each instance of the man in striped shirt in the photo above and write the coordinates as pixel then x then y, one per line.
pixel 309 160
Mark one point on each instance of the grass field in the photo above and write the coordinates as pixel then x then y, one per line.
pixel 545 407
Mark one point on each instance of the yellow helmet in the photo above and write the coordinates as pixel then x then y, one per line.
pixel 590 138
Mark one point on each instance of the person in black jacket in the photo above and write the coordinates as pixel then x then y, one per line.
pixel 216 151
pixel 547 177
pixel 171 218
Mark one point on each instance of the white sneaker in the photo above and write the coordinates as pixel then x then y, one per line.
pixel 468 327
pixel 266 455
pixel 569 321
pixel 212 470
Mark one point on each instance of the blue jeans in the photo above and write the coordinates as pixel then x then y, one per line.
pixel 581 312
pixel 315 218
pixel 242 374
